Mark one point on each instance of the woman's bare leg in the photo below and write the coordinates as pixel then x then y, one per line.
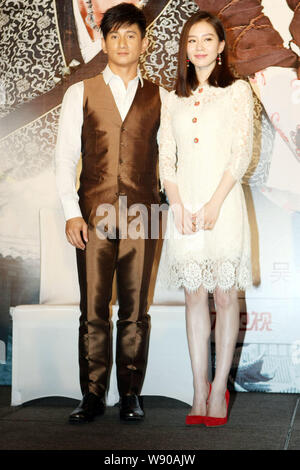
pixel 226 333
pixel 198 327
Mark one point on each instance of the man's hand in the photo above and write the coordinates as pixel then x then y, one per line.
pixel 74 227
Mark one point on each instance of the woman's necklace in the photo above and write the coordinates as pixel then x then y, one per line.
pixel 90 18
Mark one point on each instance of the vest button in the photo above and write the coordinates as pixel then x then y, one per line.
pixel 123 129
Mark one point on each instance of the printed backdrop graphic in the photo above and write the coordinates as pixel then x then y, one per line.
pixel 47 45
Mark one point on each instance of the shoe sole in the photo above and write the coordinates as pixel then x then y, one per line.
pixel 132 418
pixel 84 421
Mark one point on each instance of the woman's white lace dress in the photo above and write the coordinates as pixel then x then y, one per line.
pixel 200 137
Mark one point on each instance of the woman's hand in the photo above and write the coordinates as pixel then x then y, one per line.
pixel 207 216
pixel 183 219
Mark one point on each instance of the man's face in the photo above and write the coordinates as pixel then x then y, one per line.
pixel 124 45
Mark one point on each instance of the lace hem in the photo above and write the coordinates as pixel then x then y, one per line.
pixel 209 274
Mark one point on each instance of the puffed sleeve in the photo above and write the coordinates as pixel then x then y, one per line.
pixel 242 141
pixel 167 143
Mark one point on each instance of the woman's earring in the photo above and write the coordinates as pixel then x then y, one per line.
pixel 187 62
pixel 219 59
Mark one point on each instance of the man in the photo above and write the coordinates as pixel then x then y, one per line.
pixel 113 119
pixel 88 16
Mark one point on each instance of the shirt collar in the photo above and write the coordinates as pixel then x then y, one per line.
pixel 108 75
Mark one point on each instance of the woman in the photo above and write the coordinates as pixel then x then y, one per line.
pixel 205 148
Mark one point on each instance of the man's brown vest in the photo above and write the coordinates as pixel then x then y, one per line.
pixel 118 157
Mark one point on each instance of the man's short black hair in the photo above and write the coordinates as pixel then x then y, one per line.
pixel 123 14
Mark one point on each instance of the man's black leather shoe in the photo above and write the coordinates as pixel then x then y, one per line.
pixel 131 408
pixel 90 406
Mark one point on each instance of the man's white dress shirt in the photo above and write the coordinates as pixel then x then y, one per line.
pixel 68 146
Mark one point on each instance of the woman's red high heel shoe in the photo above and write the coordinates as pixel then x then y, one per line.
pixel 197 419
pixel 211 421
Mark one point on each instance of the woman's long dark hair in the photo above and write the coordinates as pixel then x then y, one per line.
pixel 187 80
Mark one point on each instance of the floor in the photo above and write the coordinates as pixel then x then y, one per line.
pixel 257 421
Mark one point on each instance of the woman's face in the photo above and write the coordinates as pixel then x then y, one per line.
pixel 203 45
